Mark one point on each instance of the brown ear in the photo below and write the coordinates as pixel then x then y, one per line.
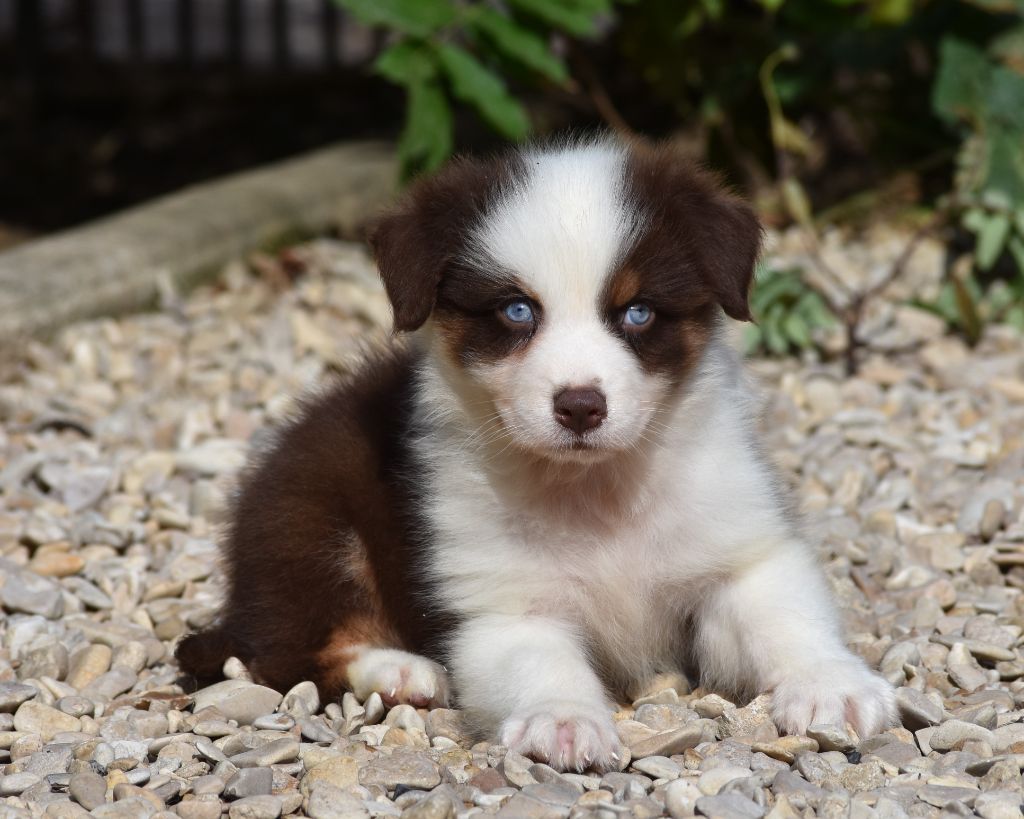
pixel 419 238
pixel 698 224
pixel 728 251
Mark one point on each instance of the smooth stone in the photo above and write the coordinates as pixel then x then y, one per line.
pixel 132 808
pixel 301 701
pixel 411 769
pixel 199 809
pixel 88 789
pixel 17 783
pixel 785 748
pixel 109 685
pixel 239 700
pixel 256 807
pixel 88 664
pixel 712 781
pixel 76 706
pixel 52 759
pixel 681 797
pixel 953 732
pixel 13 694
pixel 433 806
pixel 280 750
pixel 728 806
pixel 831 738
pixel 999 805
pixel 35 718
pixel 249 782
pixel 669 742
pixel 328 801
pixel 340 771
pixel 917 710
pixel 658 767
pixel 274 722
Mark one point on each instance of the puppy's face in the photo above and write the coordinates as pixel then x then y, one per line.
pixel 572 290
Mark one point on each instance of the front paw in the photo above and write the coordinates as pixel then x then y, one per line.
pixel 834 694
pixel 565 735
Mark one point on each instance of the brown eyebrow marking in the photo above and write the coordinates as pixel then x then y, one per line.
pixel 623 287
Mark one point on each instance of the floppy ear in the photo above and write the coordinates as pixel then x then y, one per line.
pixel 708 228
pixel 728 248
pixel 418 239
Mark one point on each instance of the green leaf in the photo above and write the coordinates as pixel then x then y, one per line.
pixel 420 18
pixel 774 337
pixel 967 310
pixel 1005 98
pixel 1004 163
pixel 426 140
pixel 797 329
pixel 752 338
pixel 575 18
pixel 962 82
pixel 1016 248
pixel 406 63
pixel 474 83
pixel 519 44
pixel 992 232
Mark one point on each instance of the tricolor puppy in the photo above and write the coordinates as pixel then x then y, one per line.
pixel 551 490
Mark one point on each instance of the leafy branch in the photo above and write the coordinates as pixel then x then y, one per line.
pixel 444 51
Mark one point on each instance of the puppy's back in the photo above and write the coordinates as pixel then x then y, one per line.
pixel 321 551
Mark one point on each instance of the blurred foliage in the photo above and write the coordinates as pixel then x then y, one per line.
pixel 814 101
pixel 443 50
pixel 788 315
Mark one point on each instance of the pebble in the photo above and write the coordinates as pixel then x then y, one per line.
pixel 411 769
pixel 712 781
pixel 659 767
pixel 330 802
pixel 729 806
pixel 256 807
pixel 13 694
pixel 302 701
pixel 239 700
pixel 949 735
pixel 280 750
pixel 35 718
pixel 249 782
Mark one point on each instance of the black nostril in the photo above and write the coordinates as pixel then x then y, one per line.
pixel 580 409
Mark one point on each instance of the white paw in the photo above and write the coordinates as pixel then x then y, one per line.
pixel 399 677
pixel 565 735
pixel 834 694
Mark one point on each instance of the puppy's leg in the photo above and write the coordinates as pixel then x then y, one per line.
pixel 530 675
pixel 773 626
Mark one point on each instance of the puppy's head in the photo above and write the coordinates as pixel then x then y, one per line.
pixel 574 288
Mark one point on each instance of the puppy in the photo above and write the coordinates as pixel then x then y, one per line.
pixel 553 486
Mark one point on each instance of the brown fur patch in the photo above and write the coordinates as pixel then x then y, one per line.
pixel 324 540
pixel 420 239
pixel 467 315
pixel 700 241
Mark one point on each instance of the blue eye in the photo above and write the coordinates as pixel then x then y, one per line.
pixel 518 312
pixel 638 315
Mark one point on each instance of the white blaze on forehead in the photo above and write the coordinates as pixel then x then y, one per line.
pixel 564 227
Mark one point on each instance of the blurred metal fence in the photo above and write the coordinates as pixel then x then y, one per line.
pixel 248 35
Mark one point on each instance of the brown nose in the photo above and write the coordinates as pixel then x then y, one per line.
pixel 580 409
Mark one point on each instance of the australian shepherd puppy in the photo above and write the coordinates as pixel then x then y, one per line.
pixel 550 489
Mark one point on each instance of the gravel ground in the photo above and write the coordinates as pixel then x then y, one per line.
pixel 120 439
